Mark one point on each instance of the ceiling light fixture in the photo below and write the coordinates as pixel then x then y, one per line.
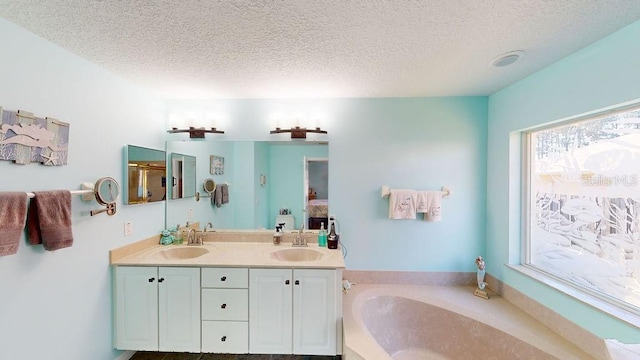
pixel 506 59
pixel 298 132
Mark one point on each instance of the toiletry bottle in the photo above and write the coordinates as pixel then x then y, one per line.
pixel 332 239
pixel 277 236
pixel 177 238
pixel 322 236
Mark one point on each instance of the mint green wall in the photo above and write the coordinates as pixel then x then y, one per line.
pixel 416 143
pixel 57 305
pixel 421 143
pixel 604 74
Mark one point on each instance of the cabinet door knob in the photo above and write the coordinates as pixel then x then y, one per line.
pixel 223 306
pixel 224 338
pixel 224 278
pixel 297 282
pixel 152 279
pixel 161 280
pixel 286 282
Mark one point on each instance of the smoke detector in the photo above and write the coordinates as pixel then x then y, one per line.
pixel 506 59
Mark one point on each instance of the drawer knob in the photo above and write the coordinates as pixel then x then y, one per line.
pixel 160 280
pixel 223 306
pixel 224 338
pixel 152 279
pixel 297 282
pixel 224 278
pixel 286 282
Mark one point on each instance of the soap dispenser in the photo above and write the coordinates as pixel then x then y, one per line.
pixel 277 236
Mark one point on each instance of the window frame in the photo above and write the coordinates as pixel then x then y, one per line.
pixel 608 304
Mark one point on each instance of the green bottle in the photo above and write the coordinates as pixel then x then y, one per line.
pixel 322 236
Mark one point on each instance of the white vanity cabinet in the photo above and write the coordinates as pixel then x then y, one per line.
pixel 225 310
pixel 157 308
pixel 293 311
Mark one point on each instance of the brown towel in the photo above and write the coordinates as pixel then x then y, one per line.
pixel 13 212
pixel 49 220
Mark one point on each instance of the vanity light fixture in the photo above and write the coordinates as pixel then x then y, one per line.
pixel 196 133
pixel 298 132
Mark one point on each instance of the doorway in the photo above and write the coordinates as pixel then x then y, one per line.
pixel 316 192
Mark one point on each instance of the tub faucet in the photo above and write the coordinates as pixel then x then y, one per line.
pixel 193 240
pixel 300 240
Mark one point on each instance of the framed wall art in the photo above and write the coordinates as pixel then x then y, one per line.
pixel 217 165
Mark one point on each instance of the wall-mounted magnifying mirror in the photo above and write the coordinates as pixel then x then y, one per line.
pixel 145 175
pixel 209 186
pixel 183 176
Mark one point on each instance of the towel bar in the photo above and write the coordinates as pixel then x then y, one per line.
pixel 446 191
pixel 73 192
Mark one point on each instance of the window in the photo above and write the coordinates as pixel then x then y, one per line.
pixel 582 212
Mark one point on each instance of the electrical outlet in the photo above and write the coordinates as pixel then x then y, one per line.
pixel 128 228
pixel 190 214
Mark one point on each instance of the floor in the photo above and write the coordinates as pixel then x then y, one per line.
pixel 145 355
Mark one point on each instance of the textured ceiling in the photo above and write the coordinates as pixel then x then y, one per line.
pixel 323 48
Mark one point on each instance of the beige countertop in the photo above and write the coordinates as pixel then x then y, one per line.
pixel 222 253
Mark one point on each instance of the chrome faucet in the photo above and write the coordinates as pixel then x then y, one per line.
pixel 300 240
pixel 192 240
pixel 209 225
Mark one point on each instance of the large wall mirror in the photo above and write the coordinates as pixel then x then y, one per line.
pixel 262 177
pixel 145 175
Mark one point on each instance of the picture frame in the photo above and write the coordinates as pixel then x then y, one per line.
pixel 216 165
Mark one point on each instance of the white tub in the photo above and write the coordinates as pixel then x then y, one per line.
pixel 403 322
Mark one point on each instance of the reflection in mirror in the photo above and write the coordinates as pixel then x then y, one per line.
pixel 183 176
pixel 145 175
pixel 209 186
pixel 251 206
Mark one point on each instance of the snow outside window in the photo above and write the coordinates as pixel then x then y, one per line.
pixel 583 205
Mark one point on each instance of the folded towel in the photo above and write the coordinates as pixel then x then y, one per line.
pixel 225 193
pixel 13 212
pixel 402 204
pixel 49 220
pixel 429 203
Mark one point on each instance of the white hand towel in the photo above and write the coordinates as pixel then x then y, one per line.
pixel 402 204
pixel 429 203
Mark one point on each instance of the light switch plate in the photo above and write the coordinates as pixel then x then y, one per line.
pixel 128 228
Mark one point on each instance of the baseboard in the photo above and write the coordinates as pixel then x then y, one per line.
pixel 410 277
pixel 126 355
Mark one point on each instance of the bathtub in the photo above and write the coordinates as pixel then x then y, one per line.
pixel 406 322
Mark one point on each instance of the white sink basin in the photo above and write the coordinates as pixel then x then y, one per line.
pixel 297 254
pixel 182 253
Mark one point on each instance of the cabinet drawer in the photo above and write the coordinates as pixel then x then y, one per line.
pixel 225 278
pixel 230 337
pixel 225 304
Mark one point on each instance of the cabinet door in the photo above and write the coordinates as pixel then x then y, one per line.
pixel 270 301
pixel 314 312
pixel 136 308
pixel 179 309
